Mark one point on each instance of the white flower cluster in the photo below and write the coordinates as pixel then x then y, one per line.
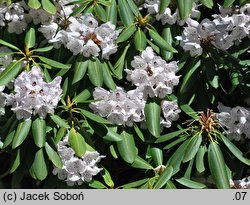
pixel 14 17
pixel 241 184
pixel 236 121
pixel 152 74
pixel 4 62
pixel 168 16
pixel 83 35
pixel 223 32
pixel 76 170
pixel 33 95
pixel 120 107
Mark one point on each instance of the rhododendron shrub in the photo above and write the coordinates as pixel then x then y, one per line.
pixel 124 94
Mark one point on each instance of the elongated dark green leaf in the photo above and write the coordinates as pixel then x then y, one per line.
pixel 139 132
pixel 44 49
pixel 30 38
pixel 80 69
pixel 82 96
pixel 34 4
pixel 94 117
pixel 192 148
pixel 126 147
pixel 153 114
pixel 107 178
pixel 207 3
pixel 163 5
pixel 95 72
pixel 140 40
pixel 10 73
pixel 77 142
pixel 140 163
pixel 133 7
pixel 53 63
pixel 167 36
pixel 135 184
pixel 100 12
pixel 176 158
pixel 8 139
pixel 217 166
pixel 39 166
pixel 157 155
pixel 59 121
pixel 112 136
pixel 190 183
pixel 126 33
pixel 48 6
pixel 199 161
pixel 96 184
pixel 236 152
pixel 22 132
pixel 16 162
pixel 189 111
pixel 176 142
pixel 112 12
pixel 4 43
pixel 79 9
pixel 125 13
pixel 185 8
pixel 160 41
pixel 107 78
pixel 228 3
pixel 60 134
pixel 170 136
pixel 39 131
pixel 164 177
pixel 53 156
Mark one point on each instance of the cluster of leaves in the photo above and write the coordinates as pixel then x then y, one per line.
pixel 132 154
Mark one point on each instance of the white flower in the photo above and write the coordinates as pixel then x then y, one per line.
pixel 33 95
pixel 49 31
pixel 90 49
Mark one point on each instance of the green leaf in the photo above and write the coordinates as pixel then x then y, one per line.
pixel 176 142
pixel 22 132
pixel 94 117
pixel 95 72
pixel 112 136
pixel 185 8
pixel 59 121
pixel 139 132
pixel 157 155
pixel 140 40
pixel 8 139
pixel 152 114
pixel 199 161
pixel 164 177
pixel 228 3
pixel 133 7
pixel 125 13
pixel 39 166
pixel 135 183
pixel 39 131
pixel 4 43
pixel 82 96
pixel 140 163
pixel 217 166
pixel 126 33
pixel 60 134
pixel 163 5
pixel 34 4
pixel 100 12
pixel 190 183
pixel 54 63
pixel 77 142
pixel 170 136
pixel 44 49
pixel 107 178
pixel 189 111
pixel 53 156
pixel 235 151
pixel 127 148
pixel 112 12
pixel 30 38
pixel 16 162
pixel 107 78
pixel 161 42
pixel 49 7
pixel 193 147
pixel 96 184
pixel 79 9
pixel 207 3
pixel 167 36
pixel 10 73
